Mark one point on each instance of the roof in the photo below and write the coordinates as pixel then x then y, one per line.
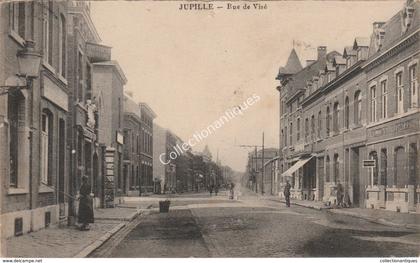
pixel 130 106
pixel 293 64
pixel 339 60
pixel 394 30
pixel 349 51
pixel 146 106
pixel 329 67
pixel 117 67
pixel 361 42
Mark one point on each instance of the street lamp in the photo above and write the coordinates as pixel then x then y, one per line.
pixel 29 62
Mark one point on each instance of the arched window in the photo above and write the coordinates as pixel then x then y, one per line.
pixel 306 129
pixel 46 146
pixel 346 112
pixel 327 122
pixel 327 169
pixel 291 133
pixel 62 46
pixel 336 168
pixel 335 118
pixel 298 129
pixel 373 179
pixel 319 124
pixel 358 108
pixel 384 167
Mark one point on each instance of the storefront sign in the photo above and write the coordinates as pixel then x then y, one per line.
pixel 120 138
pixel 55 94
pixel 369 163
pixel 394 129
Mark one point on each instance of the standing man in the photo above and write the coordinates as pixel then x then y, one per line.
pixel 286 193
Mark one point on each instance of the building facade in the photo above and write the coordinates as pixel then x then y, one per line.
pixel 147 182
pixel 345 108
pixel 33 118
pixel 108 82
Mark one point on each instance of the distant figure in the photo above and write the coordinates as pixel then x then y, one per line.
pixel 286 193
pixel 211 189
pixel 231 192
pixel 340 194
pixel 216 189
pixel 85 205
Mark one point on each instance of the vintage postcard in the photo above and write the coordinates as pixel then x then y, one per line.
pixel 210 129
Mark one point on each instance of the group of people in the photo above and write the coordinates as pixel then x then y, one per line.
pixel 215 189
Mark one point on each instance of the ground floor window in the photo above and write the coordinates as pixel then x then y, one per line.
pixel 373 179
pixel 412 164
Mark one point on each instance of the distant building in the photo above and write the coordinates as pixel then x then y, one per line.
pixel 254 169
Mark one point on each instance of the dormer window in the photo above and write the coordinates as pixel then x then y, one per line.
pixel 407 17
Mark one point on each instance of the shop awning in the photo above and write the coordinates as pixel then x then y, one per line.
pixel 296 166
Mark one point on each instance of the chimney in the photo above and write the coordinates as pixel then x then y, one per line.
pixel 322 52
pixel 377 25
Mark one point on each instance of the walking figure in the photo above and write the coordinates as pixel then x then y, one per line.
pixel 216 189
pixel 231 192
pixel 211 189
pixel 340 194
pixel 85 205
pixel 286 193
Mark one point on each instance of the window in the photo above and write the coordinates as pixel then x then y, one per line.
pixel 327 122
pixel 50 31
pixel 313 126
pixel 384 102
pixel 88 95
pixel 384 167
pixel 282 137
pixel 291 133
pixel 336 168
pixel 319 124
pixel 285 136
pixel 400 173
pixel 412 164
pixel 373 180
pixel 62 46
pixel 346 112
pixel 373 103
pixel 17 18
pixel 298 130
pixel 358 108
pixel 327 169
pixel 46 146
pixel 336 112
pixel 306 129
pixel 400 92
pixel 413 85
pixel 80 76
pixel 15 111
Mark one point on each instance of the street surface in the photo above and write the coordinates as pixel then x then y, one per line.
pixel 203 226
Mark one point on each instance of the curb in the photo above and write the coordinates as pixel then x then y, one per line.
pixel 89 249
pixel 96 244
pixel 380 221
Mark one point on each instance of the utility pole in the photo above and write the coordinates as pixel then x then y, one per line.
pixel 256 170
pixel 262 167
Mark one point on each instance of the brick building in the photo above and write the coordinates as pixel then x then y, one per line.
pixel 147 116
pixel 254 165
pixel 132 141
pixel 108 82
pixel 83 49
pixel 359 105
pixel 33 119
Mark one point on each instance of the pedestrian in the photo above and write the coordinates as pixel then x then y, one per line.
pixel 340 194
pixel 211 189
pixel 85 215
pixel 231 192
pixel 286 193
pixel 216 189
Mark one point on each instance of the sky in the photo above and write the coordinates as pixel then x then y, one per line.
pixel 192 66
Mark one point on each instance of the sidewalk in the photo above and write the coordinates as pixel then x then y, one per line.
pixel 384 217
pixel 67 241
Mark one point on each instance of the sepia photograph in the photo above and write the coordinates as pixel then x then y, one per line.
pixel 189 130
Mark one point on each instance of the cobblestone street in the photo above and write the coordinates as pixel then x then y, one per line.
pixel 259 228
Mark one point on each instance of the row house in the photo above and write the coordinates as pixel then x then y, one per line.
pixel 33 116
pixel 258 182
pixel 147 182
pixel 361 105
pixel 138 148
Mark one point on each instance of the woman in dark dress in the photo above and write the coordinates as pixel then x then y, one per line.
pixel 85 205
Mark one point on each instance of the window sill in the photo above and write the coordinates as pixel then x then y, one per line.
pixel 15 36
pixel 45 189
pixel 17 191
pixel 48 67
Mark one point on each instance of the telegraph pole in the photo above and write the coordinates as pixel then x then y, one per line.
pixel 262 167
